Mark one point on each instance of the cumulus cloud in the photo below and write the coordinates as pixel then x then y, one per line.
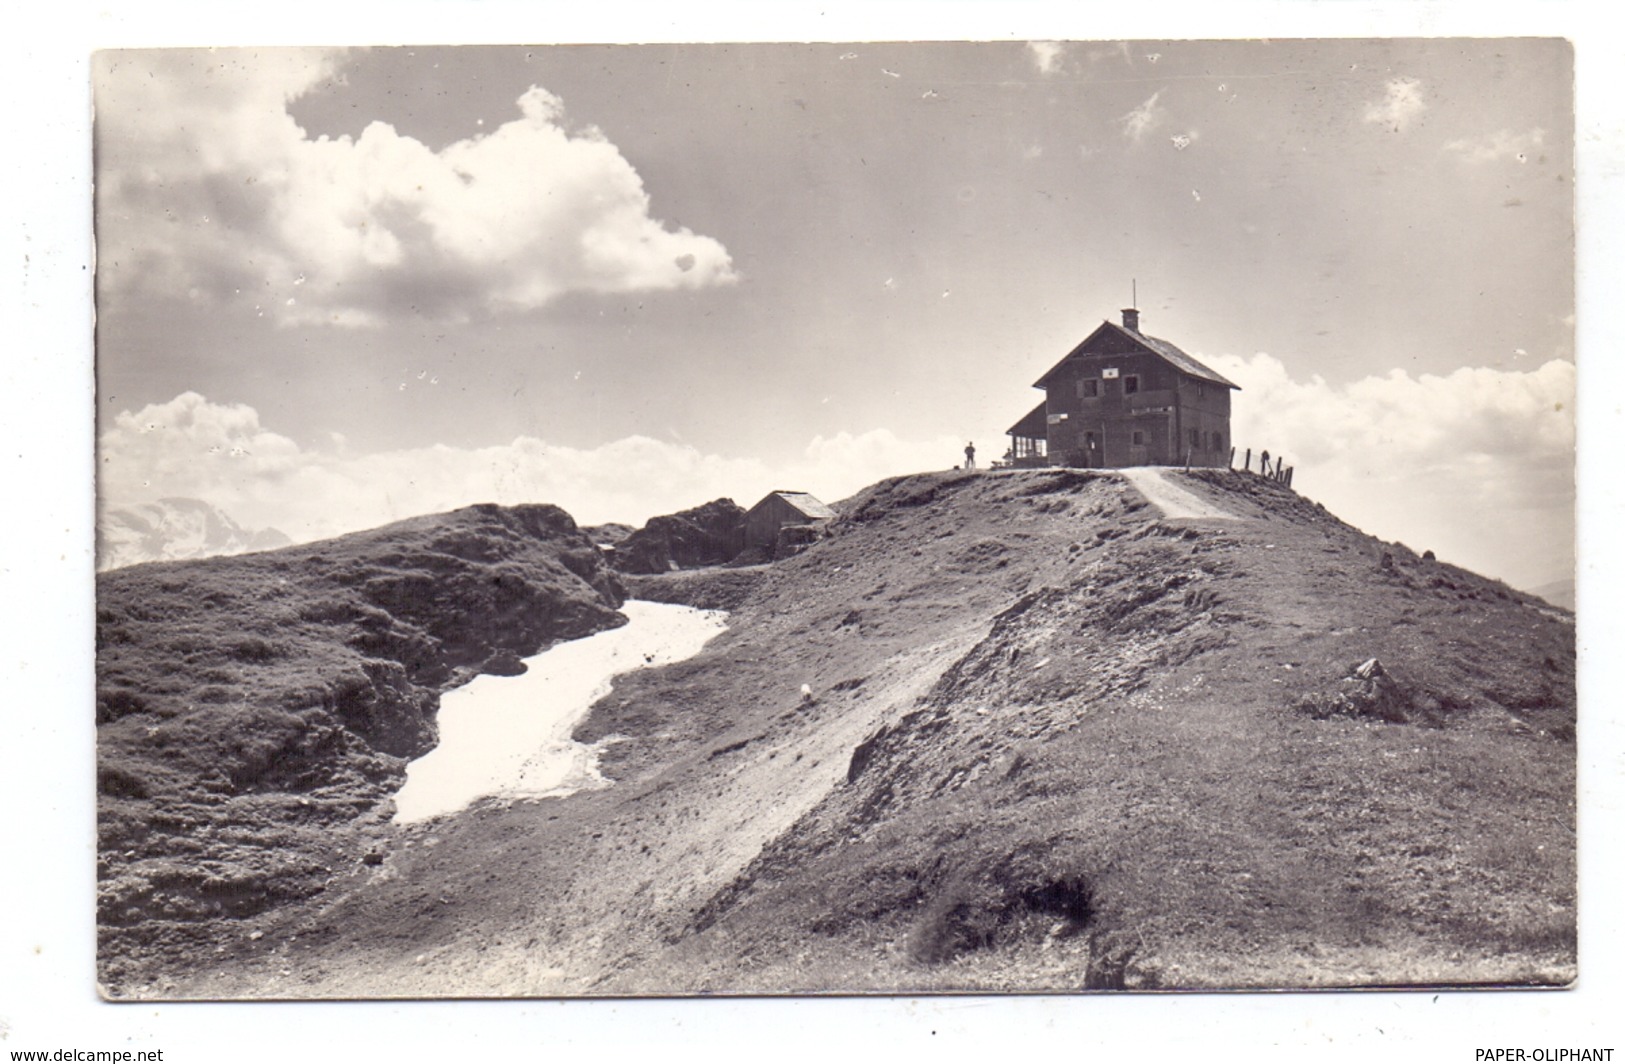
pixel 1503 144
pixel 175 442
pixel 1140 121
pixel 1477 465
pixel 208 188
pixel 1399 106
pixel 1047 56
pixel 220 452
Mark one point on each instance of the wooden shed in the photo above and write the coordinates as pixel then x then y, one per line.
pixel 1122 398
pixel 778 509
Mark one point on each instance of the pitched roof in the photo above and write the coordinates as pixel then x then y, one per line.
pixel 1035 426
pixel 1167 351
pixel 808 505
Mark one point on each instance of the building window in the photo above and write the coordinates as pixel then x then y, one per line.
pixel 1131 384
pixel 1089 388
pixel 1218 441
pixel 1139 437
pixel 1196 438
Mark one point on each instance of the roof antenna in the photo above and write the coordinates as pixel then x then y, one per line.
pixel 1135 291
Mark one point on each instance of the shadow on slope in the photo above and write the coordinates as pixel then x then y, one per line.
pixel 255 713
pixel 1016 731
pixel 1167 763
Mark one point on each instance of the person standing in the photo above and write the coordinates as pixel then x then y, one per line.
pixel 970 456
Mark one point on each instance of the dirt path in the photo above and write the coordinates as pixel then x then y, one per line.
pixel 1043 712
pixel 1173 500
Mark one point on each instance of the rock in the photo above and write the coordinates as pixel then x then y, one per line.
pixel 793 539
pixel 706 535
pixel 1368 692
pixel 504 663
pixel 607 536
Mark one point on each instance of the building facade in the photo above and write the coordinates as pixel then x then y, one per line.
pixel 1122 398
pixel 779 509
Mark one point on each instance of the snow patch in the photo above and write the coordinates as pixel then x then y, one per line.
pixel 510 736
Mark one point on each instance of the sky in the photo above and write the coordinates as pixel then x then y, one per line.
pixel 339 287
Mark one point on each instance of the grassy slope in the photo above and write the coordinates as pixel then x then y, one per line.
pixel 1133 780
pixel 255 713
pixel 1143 774
pixel 1056 742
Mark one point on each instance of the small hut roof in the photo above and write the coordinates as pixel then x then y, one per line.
pixel 809 506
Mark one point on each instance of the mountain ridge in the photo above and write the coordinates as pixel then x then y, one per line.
pixel 175 528
pixel 1013 731
pixel 255 713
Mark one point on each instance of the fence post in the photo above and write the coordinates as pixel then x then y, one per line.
pixel 1279 462
pixel 1231 464
pixel 1247 462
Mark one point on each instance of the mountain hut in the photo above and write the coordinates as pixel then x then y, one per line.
pixel 779 509
pixel 1122 398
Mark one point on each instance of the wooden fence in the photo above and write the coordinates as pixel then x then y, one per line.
pixel 1276 470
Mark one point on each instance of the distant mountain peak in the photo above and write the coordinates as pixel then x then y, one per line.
pixel 175 528
pixel 1559 593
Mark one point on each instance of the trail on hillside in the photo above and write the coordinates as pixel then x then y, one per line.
pixel 1000 732
pixel 1174 501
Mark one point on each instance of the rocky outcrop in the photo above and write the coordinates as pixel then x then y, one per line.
pixel 256 713
pixel 1021 731
pixel 706 535
pixel 608 535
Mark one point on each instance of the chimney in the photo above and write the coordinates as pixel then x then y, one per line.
pixel 1131 319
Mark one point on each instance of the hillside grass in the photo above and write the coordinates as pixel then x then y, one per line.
pixel 256 713
pixel 1050 741
pixel 1130 782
